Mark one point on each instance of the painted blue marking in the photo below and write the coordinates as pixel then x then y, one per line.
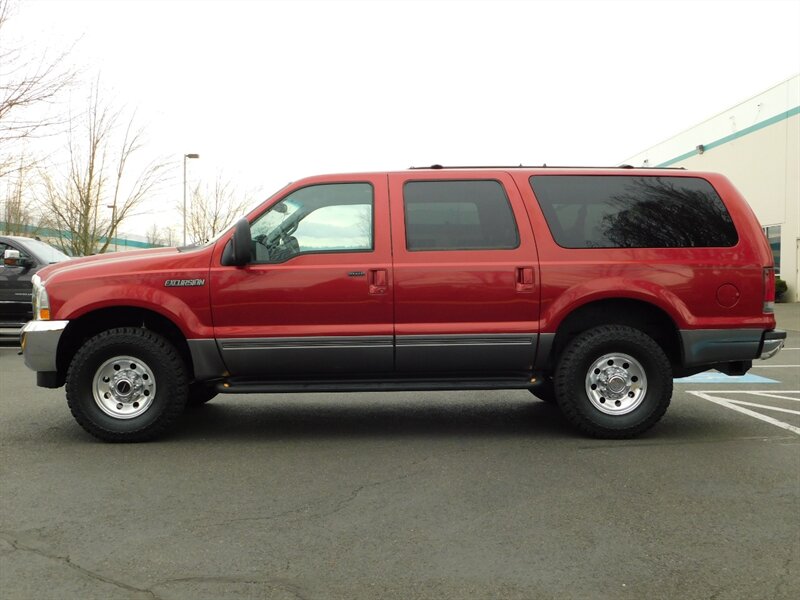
pixel 717 377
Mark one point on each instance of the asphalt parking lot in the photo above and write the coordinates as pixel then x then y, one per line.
pixel 408 495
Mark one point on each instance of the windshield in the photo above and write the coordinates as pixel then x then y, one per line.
pixel 213 240
pixel 276 219
pixel 45 252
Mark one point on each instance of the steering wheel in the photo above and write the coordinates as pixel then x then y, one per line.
pixel 264 253
pixel 291 229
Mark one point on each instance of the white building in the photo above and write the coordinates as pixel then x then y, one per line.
pixel 756 144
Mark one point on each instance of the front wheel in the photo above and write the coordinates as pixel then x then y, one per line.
pixel 613 381
pixel 126 384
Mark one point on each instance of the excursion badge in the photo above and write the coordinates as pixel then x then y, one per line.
pixel 184 282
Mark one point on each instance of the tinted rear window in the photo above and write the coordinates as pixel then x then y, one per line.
pixel 458 215
pixel 595 211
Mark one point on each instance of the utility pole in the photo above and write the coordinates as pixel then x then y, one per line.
pixel 185 156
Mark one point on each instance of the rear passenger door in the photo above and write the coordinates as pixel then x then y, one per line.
pixel 466 274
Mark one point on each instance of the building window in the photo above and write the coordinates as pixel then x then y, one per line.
pixel 773 234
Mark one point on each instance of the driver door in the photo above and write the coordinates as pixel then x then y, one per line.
pixel 15 288
pixel 317 298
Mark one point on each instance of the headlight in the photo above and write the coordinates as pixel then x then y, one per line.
pixel 41 303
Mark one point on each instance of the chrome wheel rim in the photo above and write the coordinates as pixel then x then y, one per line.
pixel 124 387
pixel 616 384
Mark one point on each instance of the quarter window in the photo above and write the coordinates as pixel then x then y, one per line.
pixel 458 215
pixel 334 217
pixel 591 211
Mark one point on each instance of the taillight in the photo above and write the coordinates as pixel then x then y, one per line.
pixel 769 289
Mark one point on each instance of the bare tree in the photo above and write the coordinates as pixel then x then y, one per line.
pixel 17 216
pixel 169 237
pixel 28 88
pixel 154 235
pixel 157 236
pixel 212 209
pixel 96 193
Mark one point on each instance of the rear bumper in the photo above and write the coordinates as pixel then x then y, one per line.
pixel 714 346
pixel 771 343
pixel 39 342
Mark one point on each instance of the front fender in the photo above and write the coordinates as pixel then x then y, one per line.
pixel 185 311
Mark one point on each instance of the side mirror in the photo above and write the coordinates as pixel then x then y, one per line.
pixel 11 258
pixel 238 251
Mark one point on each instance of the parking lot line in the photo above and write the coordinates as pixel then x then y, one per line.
pixel 726 392
pixel 764 406
pixel 756 415
pixel 774 395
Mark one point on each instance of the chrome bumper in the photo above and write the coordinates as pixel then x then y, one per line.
pixel 772 343
pixel 39 342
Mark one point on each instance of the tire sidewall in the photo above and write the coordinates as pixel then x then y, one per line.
pixel 112 344
pixel 571 393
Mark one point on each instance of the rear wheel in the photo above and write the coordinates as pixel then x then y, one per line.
pixel 613 381
pixel 126 385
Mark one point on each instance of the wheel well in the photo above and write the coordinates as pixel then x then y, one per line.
pixel 86 326
pixel 634 313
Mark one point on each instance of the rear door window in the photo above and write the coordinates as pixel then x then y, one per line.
pixel 458 215
pixel 602 211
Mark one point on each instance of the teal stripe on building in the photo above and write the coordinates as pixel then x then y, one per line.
pixel 48 232
pixel 729 138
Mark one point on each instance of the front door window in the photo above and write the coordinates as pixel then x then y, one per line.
pixel 321 218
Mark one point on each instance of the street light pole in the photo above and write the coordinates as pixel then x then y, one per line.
pixel 185 156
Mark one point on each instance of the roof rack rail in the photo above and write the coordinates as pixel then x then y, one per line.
pixel 544 166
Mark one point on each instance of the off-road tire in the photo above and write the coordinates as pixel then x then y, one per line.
pixel 575 371
pixel 150 352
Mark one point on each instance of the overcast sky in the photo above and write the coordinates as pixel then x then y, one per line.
pixel 268 92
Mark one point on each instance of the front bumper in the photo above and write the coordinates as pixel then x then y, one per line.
pixel 39 342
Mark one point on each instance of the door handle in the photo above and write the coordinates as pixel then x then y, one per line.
pixel 378 281
pixel 525 280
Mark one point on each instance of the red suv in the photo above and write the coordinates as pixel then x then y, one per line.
pixel 592 288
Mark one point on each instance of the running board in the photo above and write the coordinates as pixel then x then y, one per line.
pixel 376 385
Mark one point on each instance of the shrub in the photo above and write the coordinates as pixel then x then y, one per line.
pixel 780 289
